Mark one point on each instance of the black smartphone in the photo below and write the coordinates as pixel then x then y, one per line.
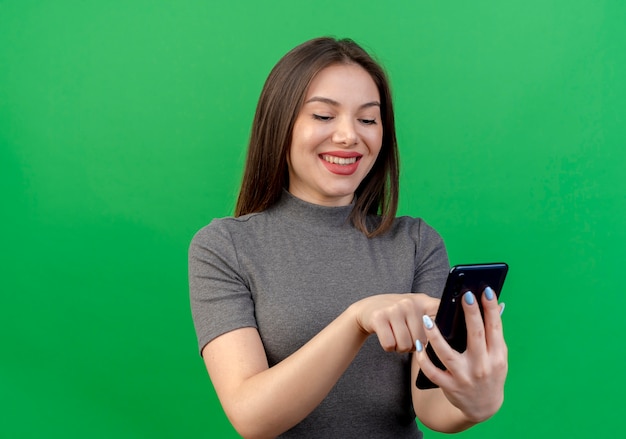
pixel 450 318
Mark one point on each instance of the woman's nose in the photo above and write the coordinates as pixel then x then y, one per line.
pixel 345 133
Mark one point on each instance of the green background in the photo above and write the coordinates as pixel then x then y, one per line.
pixel 123 128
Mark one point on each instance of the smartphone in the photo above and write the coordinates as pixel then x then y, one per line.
pixel 450 318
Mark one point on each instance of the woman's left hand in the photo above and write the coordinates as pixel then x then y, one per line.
pixel 474 380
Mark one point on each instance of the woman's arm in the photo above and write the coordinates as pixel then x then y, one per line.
pixel 472 388
pixel 264 402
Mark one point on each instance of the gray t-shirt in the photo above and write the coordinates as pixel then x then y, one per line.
pixel 292 269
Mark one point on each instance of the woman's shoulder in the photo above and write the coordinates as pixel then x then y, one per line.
pixel 414 226
pixel 226 227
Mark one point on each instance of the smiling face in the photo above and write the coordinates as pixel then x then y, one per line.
pixel 337 136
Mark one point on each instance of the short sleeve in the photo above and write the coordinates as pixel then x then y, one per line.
pixel 431 261
pixel 220 298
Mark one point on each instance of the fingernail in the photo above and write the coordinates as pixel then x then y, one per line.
pixel 469 298
pixel 428 322
pixel 418 346
pixel 502 305
pixel 489 294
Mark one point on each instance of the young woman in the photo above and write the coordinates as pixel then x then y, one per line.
pixel 286 294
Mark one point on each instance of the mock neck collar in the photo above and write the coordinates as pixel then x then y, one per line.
pixel 313 216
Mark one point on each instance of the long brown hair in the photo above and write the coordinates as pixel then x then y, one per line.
pixel 266 174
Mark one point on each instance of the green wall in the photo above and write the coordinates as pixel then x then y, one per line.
pixel 123 127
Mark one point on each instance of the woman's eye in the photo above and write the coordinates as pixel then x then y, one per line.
pixel 368 121
pixel 322 118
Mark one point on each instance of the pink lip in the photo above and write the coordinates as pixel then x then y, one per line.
pixel 342 169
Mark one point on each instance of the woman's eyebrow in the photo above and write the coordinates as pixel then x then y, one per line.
pixel 336 104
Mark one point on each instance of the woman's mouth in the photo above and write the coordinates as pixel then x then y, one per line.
pixel 344 164
pixel 340 160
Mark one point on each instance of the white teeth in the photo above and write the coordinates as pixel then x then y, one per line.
pixel 339 160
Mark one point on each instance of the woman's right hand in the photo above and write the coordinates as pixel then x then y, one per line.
pixel 395 318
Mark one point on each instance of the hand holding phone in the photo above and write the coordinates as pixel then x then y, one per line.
pixel 450 318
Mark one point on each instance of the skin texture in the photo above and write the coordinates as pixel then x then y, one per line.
pixel 339 118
